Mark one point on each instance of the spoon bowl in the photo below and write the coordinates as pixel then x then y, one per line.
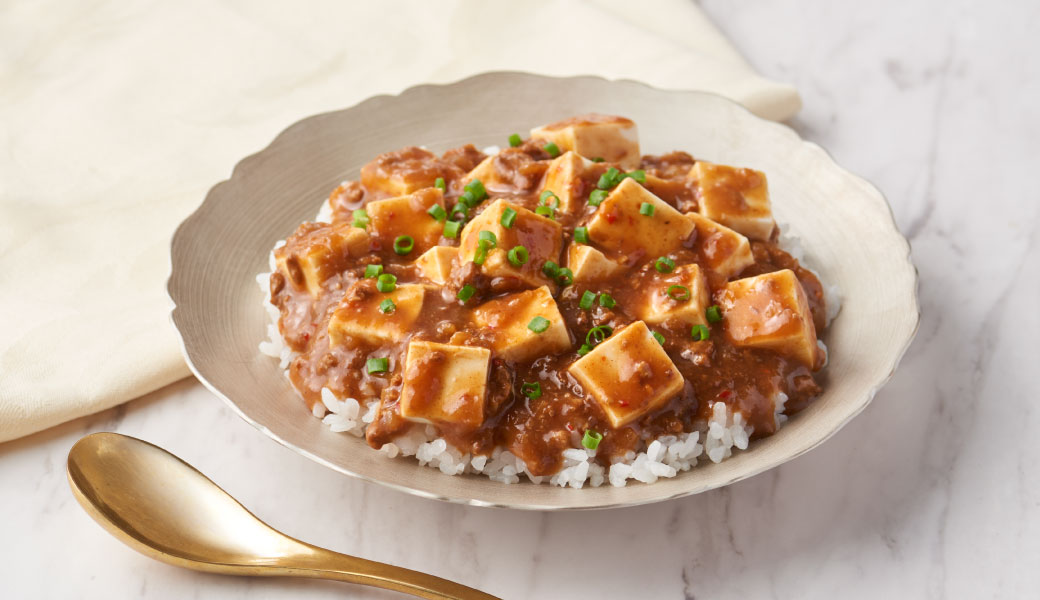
pixel 165 509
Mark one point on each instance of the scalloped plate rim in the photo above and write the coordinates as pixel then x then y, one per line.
pixel 176 310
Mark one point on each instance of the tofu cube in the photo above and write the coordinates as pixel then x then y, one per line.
pixel 590 265
pixel 435 264
pixel 620 228
pixel 406 215
pixel 570 178
pixel 358 316
pixel 484 171
pixel 629 374
pixel 404 171
pixel 771 311
pixel 722 250
pixel 445 384
pixel 738 198
pixel 488 175
pixel 318 251
pixel 541 236
pixel 658 307
pixel 614 139
pixel 507 319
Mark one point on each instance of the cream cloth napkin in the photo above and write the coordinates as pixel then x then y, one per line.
pixel 116 118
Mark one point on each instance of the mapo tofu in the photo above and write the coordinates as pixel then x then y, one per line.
pixel 564 301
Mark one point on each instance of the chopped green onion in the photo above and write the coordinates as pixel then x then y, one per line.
pixel 639 175
pixel 532 390
pixel 489 237
pixel 403 244
pixel 597 159
pixel 437 212
pixel 581 235
pixel 700 332
pixel 597 197
pixel 565 277
pixel 387 306
pixel 592 439
pixel 546 196
pixel 646 209
pixel 550 269
pixel 466 292
pixel 658 337
pixel 607 301
pixel 714 313
pixel 545 211
pixel 587 298
pixel 460 209
pixel 386 283
pixel 378 365
pixel 678 292
pixel 515 140
pixel 609 179
pixel 468 199
pixel 598 334
pixel 508 218
pixel 584 349
pixel 476 187
pixel 664 265
pixel 538 324
pixel 518 256
pixel 482 251
pixel 373 270
pixel 451 229
pixel 361 218
pixel 439 184
pixel 552 149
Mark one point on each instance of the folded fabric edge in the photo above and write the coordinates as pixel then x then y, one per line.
pixel 39 421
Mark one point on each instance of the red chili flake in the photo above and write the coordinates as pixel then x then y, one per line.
pixel 306 336
pixel 374 245
pixel 724 394
pixel 623 403
pixel 611 217
pixel 569 427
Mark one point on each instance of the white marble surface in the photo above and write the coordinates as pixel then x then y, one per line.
pixel 933 492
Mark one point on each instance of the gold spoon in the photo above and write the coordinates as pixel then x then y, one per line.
pixel 162 507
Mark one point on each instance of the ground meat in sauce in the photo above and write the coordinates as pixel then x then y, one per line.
pixel 674 165
pixel 519 169
pixel 536 430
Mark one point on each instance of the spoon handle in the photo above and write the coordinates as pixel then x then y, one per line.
pixel 326 564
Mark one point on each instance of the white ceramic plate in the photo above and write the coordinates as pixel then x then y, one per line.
pixel 844 223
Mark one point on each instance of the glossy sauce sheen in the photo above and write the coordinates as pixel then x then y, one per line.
pixel 536 430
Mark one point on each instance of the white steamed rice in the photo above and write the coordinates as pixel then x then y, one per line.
pixel 665 456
